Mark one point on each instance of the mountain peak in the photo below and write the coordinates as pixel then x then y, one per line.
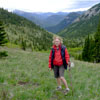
pixel 95 10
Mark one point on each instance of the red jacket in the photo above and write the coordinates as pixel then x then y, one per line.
pixel 57 57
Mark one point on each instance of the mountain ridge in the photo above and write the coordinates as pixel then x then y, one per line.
pixel 64 23
pixel 83 25
pixel 42 19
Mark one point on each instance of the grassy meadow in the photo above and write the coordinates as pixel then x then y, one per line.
pixel 24 75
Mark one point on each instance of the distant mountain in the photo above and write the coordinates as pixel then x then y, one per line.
pixel 64 23
pixel 83 25
pixel 37 18
pixel 19 30
pixel 53 20
pixel 81 12
pixel 43 19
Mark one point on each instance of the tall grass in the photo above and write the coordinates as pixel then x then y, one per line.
pixel 25 75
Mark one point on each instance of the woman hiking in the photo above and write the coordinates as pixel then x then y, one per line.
pixel 58 61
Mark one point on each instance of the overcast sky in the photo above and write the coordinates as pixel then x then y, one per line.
pixel 48 5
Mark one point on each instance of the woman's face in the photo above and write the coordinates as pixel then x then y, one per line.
pixel 57 42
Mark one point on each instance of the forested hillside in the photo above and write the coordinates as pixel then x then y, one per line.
pixel 24 32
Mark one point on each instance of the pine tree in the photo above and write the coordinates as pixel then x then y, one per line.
pixel 3 35
pixel 97 44
pixel 23 43
pixel 3 40
pixel 86 50
pixel 92 49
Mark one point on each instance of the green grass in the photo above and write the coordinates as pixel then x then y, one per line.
pixel 12 45
pixel 25 75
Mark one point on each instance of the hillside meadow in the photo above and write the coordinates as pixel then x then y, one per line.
pixel 24 75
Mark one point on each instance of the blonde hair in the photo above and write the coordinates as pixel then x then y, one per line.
pixel 57 37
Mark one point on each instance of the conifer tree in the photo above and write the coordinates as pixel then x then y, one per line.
pixel 92 49
pixel 23 43
pixel 86 50
pixel 3 35
pixel 3 40
pixel 97 44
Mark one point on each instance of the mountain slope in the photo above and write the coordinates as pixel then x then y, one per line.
pixel 20 29
pixel 64 23
pixel 85 24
